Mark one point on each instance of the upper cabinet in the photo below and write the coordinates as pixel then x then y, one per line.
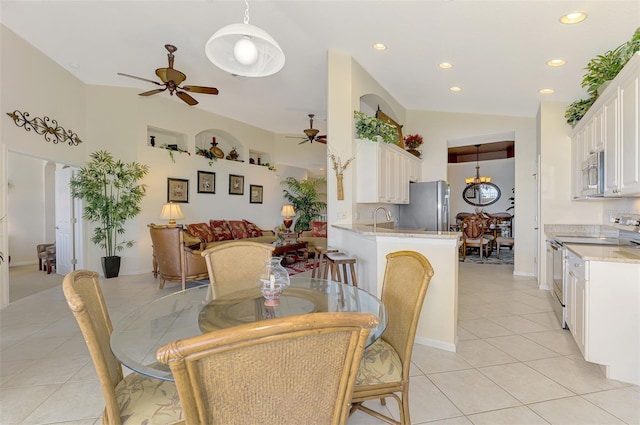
pixel 384 172
pixel 611 125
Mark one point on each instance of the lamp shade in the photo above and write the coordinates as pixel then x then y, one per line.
pixel 287 211
pixel 246 50
pixel 170 212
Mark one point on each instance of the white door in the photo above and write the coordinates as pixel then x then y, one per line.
pixel 67 226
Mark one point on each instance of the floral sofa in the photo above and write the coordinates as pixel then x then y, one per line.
pixel 200 236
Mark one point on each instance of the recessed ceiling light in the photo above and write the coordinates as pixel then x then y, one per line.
pixel 455 88
pixel 379 46
pixel 556 62
pixel 445 65
pixel 573 17
pixel 546 91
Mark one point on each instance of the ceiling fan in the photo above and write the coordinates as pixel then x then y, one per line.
pixel 171 80
pixel 312 133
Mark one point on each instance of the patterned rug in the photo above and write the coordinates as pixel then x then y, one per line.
pixel 506 257
pixel 299 267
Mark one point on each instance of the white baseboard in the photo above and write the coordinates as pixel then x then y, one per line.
pixel 437 344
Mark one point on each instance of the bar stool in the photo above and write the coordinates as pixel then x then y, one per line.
pixel 337 259
pixel 503 241
pixel 320 261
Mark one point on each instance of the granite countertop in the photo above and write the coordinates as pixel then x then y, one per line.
pixel 397 232
pixel 610 253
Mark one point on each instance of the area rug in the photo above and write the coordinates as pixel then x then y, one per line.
pixel 297 265
pixel 506 257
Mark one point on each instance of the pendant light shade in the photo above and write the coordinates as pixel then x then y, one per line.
pixel 244 49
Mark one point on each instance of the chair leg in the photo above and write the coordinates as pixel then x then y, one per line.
pixel 39 263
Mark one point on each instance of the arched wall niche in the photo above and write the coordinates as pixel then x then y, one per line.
pixel 369 104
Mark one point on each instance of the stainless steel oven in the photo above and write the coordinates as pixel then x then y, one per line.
pixel 557 274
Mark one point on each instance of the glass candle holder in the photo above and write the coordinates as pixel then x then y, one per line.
pixel 273 280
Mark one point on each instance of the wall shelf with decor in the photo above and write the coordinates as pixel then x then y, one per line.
pixel 258 158
pixel 224 143
pixel 160 137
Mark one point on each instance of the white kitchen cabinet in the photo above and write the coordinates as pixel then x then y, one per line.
pixel 386 182
pixel 603 313
pixel 611 124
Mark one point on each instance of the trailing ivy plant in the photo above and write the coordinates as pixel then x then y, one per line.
pixel 577 109
pixel 112 194
pixel 305 198
pixel 370 127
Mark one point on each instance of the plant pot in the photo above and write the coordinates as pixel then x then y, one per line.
pixel 111 266
pixel 414 152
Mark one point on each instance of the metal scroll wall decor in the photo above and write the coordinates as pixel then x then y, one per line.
pixel 46 127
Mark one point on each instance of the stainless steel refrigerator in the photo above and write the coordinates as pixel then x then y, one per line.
pixel 428 207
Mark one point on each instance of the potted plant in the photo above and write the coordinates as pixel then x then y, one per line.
pixel 370 127
pixel 412 142
pixel 305 198
pixel 577 109
pixel 112 193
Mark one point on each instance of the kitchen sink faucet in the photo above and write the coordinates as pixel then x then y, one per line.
pixel 375 215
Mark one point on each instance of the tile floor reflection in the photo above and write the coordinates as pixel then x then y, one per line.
pixel 514 364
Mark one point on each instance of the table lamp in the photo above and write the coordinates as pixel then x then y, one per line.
pixel 170 212
pixel 288 213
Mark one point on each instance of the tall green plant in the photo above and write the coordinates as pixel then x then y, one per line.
pixel 112 195
pixel 305 198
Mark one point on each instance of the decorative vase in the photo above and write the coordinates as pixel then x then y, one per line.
pixel 414 152
pixel 339 178
pixel 273 279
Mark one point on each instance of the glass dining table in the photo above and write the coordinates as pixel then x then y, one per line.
pixel 136 338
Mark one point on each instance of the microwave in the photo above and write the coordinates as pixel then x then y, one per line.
pixel 593 175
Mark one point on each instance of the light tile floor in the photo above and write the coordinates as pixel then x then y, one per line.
pixel 514 364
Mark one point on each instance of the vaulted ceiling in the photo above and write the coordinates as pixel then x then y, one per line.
pixel 498 49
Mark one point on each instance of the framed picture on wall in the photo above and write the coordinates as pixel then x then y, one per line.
pixel 236 184
pixel 177 190
pixel 206 182
pixel 255 192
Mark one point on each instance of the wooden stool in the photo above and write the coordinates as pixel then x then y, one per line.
pixel 503 241
pixel 335 260
pixel 320 261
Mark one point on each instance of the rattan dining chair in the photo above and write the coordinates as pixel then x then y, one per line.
pixel 134 399
pixel 289 370
pixel 384 371
pixel 235 262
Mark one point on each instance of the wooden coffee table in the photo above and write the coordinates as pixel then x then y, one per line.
pixel 298 246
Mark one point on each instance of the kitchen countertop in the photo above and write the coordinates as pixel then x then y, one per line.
pixel 397 232
pixel 610 253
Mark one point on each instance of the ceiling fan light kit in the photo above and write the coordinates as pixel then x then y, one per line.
pixel 245 50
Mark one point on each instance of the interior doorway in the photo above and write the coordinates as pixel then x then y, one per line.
pixel 32 200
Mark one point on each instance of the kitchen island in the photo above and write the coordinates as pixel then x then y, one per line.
pixel 438 321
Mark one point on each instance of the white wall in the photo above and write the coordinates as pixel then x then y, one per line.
pixel 502 173
pixel 440 128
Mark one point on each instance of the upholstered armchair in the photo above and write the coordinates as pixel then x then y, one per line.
pixel 172 259
pixel 41 249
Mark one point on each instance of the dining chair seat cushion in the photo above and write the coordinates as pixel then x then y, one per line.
pixel 150 401
pixel 380 365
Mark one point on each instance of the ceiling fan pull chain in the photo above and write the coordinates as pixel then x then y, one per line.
pixel 246 12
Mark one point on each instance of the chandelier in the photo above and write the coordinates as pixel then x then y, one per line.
pixel 478 179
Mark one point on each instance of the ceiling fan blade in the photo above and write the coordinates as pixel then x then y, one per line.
pixel 141 79
pixel 322 140
pixel 150 92
pixel 304 141
pixel 200 89
pixel 188 99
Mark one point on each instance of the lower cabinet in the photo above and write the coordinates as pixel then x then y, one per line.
pixel 603 313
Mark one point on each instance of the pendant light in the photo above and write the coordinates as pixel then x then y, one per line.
pixel 244 49
pixel 477 179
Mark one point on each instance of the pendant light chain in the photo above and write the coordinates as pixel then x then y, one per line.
pixel 246 12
